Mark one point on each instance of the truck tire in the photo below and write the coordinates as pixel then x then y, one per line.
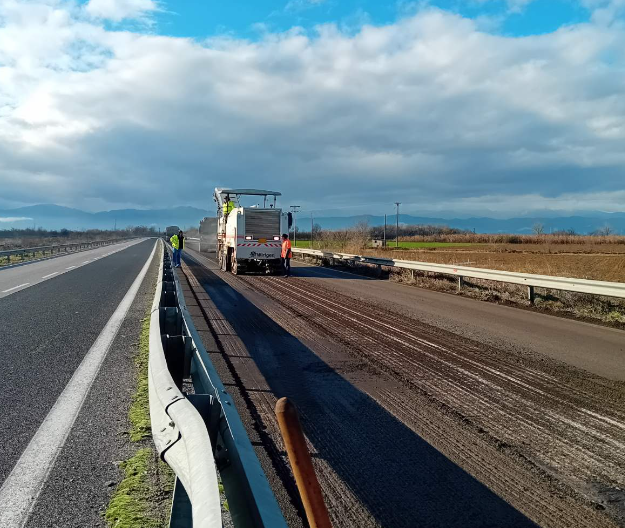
pixel 228 260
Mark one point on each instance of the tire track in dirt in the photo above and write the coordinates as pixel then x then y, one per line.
pixel 515 423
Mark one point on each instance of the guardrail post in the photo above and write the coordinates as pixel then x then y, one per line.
pixel 181 510
pixel 531 295
pixel 460 283
pixel 301 464
pixel 378 270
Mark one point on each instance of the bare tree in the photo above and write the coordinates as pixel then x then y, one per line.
pixel 604 231
pixel 538 228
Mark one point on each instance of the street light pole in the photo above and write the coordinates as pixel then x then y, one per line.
pixel 384 241
pixel 397 225
pixel 311 230
pixel 294 209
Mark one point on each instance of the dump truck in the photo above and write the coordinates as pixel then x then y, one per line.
pixel 249 238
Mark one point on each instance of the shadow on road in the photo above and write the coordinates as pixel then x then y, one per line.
pixel 394 473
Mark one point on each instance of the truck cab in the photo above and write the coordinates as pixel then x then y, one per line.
pixel 249 237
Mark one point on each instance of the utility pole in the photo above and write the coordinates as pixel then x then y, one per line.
pixel 311 230
pixel 384 241
pixel 397 225
pixel 294 209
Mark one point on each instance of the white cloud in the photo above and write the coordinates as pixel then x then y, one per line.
pixel 13 219
pixel 118 10
pixel 430 109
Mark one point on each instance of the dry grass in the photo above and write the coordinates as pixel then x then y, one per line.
pixel 594 266
pixel 556 239
pixel 594 258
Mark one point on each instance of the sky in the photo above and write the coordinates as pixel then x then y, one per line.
pixel 476 107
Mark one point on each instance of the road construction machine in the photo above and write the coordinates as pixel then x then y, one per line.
pixel 249 237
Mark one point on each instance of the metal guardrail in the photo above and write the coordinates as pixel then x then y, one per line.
pixel 198 433
pixel 608 289
pixel 178 429
pixel 78 246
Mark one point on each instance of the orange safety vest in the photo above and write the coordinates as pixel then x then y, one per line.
pixel 286 249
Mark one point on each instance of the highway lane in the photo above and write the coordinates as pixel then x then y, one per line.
pixel 595 348
pixel 541 434
pixel 18 277
pixel 46 331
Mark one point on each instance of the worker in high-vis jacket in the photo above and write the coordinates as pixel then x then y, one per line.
pixel 286 255
pixel 176 244
pixel 229 205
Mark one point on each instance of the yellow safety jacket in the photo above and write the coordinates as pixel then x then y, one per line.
pixel 174 242
pixel 229 207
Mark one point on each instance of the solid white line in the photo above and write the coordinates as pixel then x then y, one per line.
pixel 15 288
pixel 50 275
pixel 71 267
pixel 23 485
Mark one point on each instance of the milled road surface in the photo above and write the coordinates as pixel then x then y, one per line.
pixel 413 423
pixel 46 331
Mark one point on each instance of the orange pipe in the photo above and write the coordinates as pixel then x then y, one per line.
pixel 301 464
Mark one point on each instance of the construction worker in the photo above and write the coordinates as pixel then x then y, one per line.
pixel 286 255
pixel 175 244
pixel 180 245
pixel 229 205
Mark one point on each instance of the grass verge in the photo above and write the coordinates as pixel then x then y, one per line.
pixel 143 497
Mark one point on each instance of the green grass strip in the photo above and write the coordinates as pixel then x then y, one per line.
pixel 140 408
pixel 135 503
pixel 143 497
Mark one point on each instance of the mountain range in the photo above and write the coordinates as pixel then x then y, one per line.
pixel 59 217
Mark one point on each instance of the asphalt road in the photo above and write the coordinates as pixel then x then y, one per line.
pixel 46 331
pixel 18 277
pixel 411 399
pixel 597 349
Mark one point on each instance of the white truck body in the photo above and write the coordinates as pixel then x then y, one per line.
pixel 249 238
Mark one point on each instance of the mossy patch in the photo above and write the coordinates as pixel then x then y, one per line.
pixel 138 502
pixel 143 497
pixel 140 408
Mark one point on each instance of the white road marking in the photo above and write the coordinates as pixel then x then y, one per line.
pixel 21 489
pixel 86 262
pixel 16 287
pixel 49 275
pixel 71 267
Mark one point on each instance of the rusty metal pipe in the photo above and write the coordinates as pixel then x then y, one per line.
pixel 301 464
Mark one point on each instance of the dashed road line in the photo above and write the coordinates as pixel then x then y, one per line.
pixel 16 287
pixel 71 267
pixel 49 275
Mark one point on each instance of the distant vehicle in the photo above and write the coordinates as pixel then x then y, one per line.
pixel 249 238
pixel 171 231
pixel 208 235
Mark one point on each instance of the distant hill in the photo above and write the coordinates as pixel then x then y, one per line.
pixel 523 225
pixel 57 217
